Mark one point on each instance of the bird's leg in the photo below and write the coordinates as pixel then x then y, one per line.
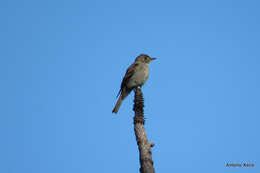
pixel 135 89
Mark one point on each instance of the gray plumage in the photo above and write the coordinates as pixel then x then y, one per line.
pixel 136 75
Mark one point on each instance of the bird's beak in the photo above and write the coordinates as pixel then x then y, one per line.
pixel 153 59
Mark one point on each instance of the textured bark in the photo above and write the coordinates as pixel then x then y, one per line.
pixel 145 153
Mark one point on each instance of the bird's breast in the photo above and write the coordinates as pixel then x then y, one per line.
pixel 139 77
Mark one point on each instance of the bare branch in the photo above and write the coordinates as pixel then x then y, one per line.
pixel 145 153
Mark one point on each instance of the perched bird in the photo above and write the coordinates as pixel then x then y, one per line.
pixel 136 75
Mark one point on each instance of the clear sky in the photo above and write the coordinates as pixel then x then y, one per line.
pixel 62 63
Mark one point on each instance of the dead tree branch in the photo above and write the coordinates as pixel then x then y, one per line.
pixel 145 153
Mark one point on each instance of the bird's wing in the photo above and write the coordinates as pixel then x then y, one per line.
pixel 129 73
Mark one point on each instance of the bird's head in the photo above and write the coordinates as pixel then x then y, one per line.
pixel 144 58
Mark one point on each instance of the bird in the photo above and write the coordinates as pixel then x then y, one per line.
pixel 135 76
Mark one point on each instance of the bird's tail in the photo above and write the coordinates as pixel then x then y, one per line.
pixel 118 104
pixel 122 96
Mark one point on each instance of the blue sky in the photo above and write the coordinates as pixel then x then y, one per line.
pixel 62 63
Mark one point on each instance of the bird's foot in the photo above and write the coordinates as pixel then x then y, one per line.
pixel 135 89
